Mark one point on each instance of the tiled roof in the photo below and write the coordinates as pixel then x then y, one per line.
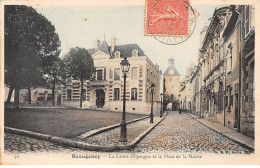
pixel 125 50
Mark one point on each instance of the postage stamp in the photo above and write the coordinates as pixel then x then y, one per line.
pixel 170 22
pixel 167 17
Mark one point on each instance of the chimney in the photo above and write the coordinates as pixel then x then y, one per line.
pixel 113 44
pixel 97 43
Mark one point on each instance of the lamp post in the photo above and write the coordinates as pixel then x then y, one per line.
pixel 151 114
pixel 161 95
pixel 125 68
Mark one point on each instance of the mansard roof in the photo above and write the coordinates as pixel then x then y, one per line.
pixel 125 50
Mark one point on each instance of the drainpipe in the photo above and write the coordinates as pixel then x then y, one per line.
pixel 240 69
pixel 225 66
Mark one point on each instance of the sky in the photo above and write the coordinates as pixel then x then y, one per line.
pixel 82 25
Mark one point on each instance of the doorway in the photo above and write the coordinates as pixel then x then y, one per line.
pixel 100 95
pixel 236 111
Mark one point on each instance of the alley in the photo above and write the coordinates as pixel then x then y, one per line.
pixel 181 133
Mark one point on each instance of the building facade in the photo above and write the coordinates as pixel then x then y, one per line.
pixel 171 79
pixel 106 91
pixel 223 81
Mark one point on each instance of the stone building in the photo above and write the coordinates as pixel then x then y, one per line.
pixel 247 16
pixel 171 79
pixel 106 91
pixel 187 90
pixel 39 96
pixel 223 82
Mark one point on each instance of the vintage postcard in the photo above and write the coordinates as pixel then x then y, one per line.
pixel 129 82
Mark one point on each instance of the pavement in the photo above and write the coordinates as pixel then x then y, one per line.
pixel 112 137
pixel 227 132
pixel 22 144
pixel 176 133
pixel 182 133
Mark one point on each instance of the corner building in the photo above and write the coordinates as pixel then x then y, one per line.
pixel 106 91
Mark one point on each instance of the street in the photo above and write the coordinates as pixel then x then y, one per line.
pixel 177 133
pixel 181 133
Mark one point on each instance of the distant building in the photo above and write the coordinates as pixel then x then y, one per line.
pixel 171 79
pixel 106 91
pixel 40 96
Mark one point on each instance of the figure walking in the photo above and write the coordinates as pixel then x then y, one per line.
pixel 179 110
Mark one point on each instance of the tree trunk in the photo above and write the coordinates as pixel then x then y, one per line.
pixel 10 94
pixel 53 92
pixel 81 93
pixel 29 95
pixel 16 98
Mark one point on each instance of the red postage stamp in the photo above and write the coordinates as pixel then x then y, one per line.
pixel 167 17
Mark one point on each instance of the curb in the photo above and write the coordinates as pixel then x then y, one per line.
pixel 104 129
pixel 133 144
pixel 225 135
pixel 83 145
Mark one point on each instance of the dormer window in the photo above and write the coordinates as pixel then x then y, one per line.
pixel 134 53
pixel 117 54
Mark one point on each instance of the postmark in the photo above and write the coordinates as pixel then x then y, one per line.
pixel 170 22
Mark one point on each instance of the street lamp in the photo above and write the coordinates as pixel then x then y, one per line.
pixel 161 95
pixel 151 114
pixel 125 68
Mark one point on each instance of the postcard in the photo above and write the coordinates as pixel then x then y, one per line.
pixel 129 82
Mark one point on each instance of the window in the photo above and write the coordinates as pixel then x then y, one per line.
pixel 220 97
pixel 117 54
pixel 147 74
pixel 247 19
pixel 117 74
pixel 134 73
pixel 69 94
pixel 134 94
pixel 134 53
pixel 116 94
pixel 230 98
pixel 99 74
pixel 229 57
pixel 147 95
pixel 111 74
pixel 84 95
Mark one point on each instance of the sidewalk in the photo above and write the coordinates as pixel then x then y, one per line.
pixel 243 140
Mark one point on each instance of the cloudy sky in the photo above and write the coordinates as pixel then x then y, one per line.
pixel 82 25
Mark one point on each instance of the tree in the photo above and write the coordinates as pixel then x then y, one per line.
pixel 80 66
pixel 31 43
pixel 55 74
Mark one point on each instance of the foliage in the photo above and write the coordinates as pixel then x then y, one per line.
pixel 31 44
pixel 80 66
pixel 79 63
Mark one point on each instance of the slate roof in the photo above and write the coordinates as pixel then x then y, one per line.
pixel 175 72
pixel 125 50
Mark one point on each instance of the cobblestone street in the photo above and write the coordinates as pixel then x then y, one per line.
pixel 112 137
pixel 181 133
pixel 22 144
pixel 177 133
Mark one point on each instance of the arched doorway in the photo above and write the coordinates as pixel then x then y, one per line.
pixel 100 95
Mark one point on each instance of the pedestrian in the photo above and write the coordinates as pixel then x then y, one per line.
pixel 179 110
